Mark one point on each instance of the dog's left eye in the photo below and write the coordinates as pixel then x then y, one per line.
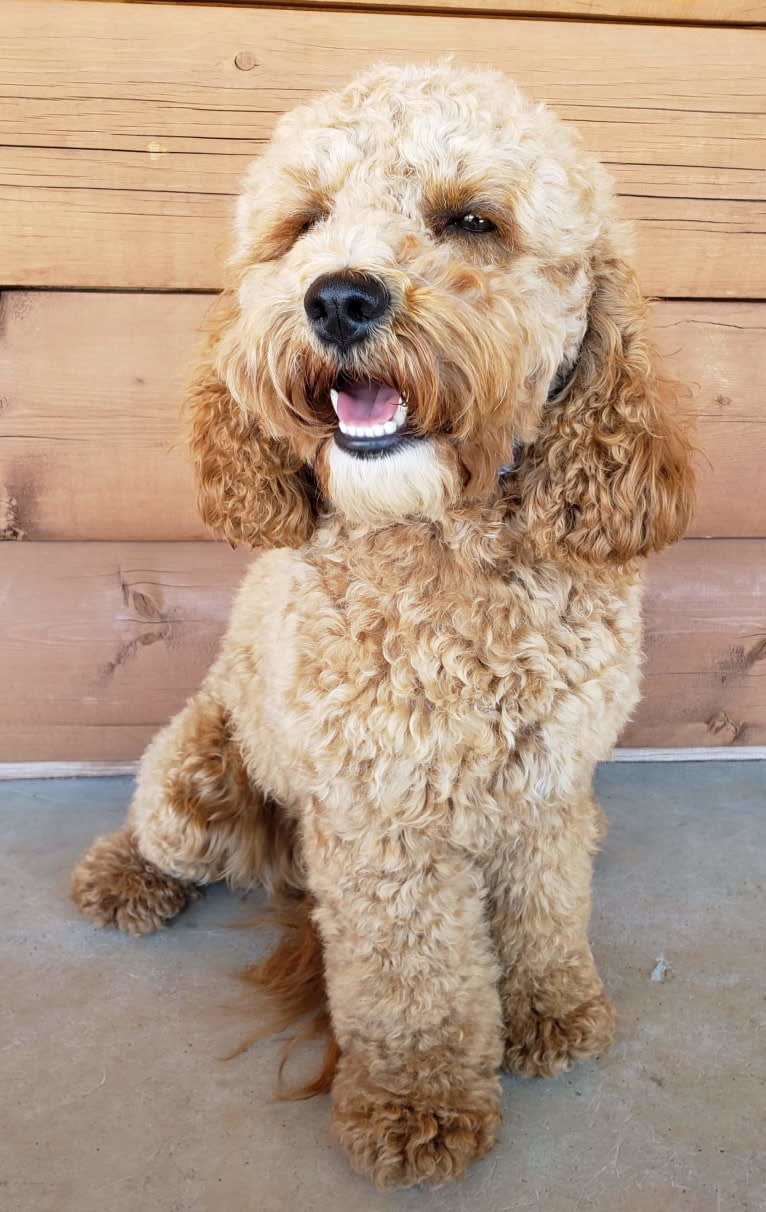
pixel 477 225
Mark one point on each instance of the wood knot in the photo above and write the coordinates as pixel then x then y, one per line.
pixel 245 61
pixel 10 530
pixel 726 730
pixel 145 606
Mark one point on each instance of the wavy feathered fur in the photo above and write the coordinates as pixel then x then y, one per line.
pixel 251 487
pixel 291 995
pixel 609 477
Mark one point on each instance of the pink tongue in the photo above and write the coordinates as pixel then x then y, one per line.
pixel 373 403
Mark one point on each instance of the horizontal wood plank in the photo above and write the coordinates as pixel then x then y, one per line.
pixel 126 128
pixel 90 386
pixel 716 12
pixel 101 643
pixel 719 351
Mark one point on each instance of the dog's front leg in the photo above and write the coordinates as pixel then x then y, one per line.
pixel 412 981
pixel 554 1006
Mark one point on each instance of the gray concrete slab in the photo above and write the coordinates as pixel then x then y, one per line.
pixel 115 1098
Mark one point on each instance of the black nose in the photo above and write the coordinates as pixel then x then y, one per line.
pixel 343 307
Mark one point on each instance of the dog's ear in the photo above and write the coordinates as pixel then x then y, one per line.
pixel 251 487
pixel 609 476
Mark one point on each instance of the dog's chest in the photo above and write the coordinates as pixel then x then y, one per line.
pixel 449 685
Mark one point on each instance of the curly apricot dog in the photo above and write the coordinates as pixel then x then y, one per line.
pixel 428 389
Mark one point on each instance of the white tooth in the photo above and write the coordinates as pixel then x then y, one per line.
pixel 400 416
pixel 343 427
pixel 378 431
pixel 334 398
pixel 389 427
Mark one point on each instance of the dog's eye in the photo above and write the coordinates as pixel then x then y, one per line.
pixel 477 225
pixel 309 221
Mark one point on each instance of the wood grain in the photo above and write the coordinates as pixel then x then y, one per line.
pixel 101 642
pixel 718 12
pixel 719 350
pixel 705 619
pixel 90 386
pixel 126 128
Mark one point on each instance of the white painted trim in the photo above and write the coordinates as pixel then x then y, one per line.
pixel 89 770
pixel 714 753
pixel 65 770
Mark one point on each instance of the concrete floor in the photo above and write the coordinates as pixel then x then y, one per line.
pixel 116 1099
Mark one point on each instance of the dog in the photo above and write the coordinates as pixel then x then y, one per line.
pixel 429 400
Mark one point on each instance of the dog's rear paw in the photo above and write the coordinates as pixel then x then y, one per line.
pixel 113 885
pixel 544 1045
pixel 398 1142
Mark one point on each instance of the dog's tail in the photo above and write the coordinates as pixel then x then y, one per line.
pixel 290 981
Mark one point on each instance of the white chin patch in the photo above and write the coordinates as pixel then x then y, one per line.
pixel 411 481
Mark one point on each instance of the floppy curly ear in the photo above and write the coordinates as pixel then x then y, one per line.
pixel 609 476
pixel 251 487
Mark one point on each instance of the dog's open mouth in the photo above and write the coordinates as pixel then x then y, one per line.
pixel 372 416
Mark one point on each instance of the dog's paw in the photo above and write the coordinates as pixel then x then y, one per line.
pixel 544 1044
pixel 398 1142
pixel 113 885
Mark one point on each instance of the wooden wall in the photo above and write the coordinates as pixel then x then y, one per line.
pixel 125 128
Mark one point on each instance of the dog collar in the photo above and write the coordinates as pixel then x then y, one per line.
pixel 558 389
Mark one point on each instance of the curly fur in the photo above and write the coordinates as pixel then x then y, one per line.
pixel 427 657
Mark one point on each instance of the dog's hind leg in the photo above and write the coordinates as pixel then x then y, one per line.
pixel 195 818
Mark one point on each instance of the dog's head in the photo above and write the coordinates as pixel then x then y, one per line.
pixel 428 279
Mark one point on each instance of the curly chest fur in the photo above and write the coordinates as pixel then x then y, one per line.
pixel 423 673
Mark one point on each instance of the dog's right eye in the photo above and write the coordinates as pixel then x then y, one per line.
pixel 279 238
pixel 477 225
pixel 470 222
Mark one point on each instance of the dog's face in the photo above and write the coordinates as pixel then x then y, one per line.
pixel 422 260
pixel 414 258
